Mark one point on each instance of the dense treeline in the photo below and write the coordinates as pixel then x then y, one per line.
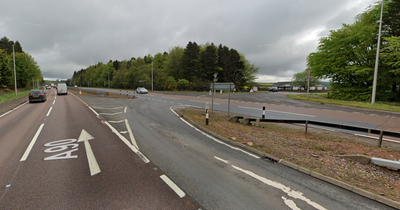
pixel 190 68
pixel 26 67
pixel 347 56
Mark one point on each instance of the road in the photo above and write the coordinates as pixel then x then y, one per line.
pixel 215 174
pixel 60 155
pixel 78 161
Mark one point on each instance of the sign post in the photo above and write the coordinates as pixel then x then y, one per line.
pixel 222 86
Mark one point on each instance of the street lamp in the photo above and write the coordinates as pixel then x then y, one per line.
pixel 377 59
pixel 15 74
pixel 151 73
pixel 308 81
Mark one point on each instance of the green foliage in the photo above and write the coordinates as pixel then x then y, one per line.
pixel 193 68
pixel 347 57
pixel 301 80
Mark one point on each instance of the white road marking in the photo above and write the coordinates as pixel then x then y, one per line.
pixel 28 150
pixel 108 107
pixel 285 189
pixel 93 165
pixel 123 139
pixel 54 101
pixel 93 110
pixel 123 132
pixel 165 101
pixel 48 113
pixel 290 203
pixel 111 113
pixel 131 134
pixel 13 109
pixel 173 186
pixel 220 159
pixel 120 121
pixel 216 140
pixel 277 111
pixel 374 137
pixel 125 109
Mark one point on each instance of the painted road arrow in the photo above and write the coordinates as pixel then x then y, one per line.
pixel 93 165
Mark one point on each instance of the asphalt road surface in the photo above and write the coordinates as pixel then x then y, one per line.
pixel 60 155
pixel 215 174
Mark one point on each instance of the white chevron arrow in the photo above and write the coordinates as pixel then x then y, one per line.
pixel 93 165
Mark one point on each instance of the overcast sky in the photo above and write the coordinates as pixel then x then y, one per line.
pixel 278 35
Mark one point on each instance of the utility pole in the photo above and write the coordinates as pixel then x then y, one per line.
pixel 377 59
pixel 15 73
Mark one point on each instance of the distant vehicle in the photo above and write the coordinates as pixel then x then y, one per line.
pixel 76 86
pixel 37 95
pixel 52 84
pixel 273 90
pixel 142 90
pixel 62 89
pixel 48 87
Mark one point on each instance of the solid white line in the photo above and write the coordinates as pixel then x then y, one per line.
pixel 93 165
pixel 374 137
pixel 93 111
pixel 285 189
pixel 111 113
pixel 14 109
pixel 123 139
pixel 220 159
pixel 108 107
pixel 173 186
pixel 131 134
pixel 48 113
pixel 125 109
pixel 116 121
pixel 278 111
pixel 28 150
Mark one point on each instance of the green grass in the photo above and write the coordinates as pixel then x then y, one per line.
pixel 11 95
pixel 321 98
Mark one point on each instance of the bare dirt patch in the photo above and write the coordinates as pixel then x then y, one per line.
pixel 318 150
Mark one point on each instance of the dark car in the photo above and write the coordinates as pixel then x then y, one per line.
pixel 142 90
pixel 273 90
pixel 37 95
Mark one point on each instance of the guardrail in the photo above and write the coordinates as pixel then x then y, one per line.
pixel 381 133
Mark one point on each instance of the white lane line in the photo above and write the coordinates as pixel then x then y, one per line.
pixel 173 186
pixel 123 139
pixel 28 150
pixel 165 101
pixel 131 134
pixel 48 113
pixel 123 132
pixel 14 109
pixel 222 160
pixel 216 140
pixel 97 114
pixel 291 204
pixel 54 101
pixel 374 137
pixel 125 109
pixel 120 121
pixel 198 101
pixel 277 111
pixel 111 113
pixel 291 193
pixel 108 107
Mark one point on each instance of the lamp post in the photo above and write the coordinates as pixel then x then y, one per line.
pixel 308 80
pixel 377 59
pixel 151 73
pixel 15 74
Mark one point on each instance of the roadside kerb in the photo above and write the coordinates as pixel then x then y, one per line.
pixel 314 174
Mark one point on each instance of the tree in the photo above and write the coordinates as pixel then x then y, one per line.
pixel 190 61
pixel 209 63
pixel 301 80
pixel 173 62
pixel 347 57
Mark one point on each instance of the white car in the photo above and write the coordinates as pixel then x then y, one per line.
pixel 62 89
pixel 142 90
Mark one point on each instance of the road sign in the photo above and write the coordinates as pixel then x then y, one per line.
pixel 222 86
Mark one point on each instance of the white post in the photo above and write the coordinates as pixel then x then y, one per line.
pixel 377 60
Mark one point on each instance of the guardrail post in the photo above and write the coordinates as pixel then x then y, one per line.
pixel 206 116
pixel 380 138
pixel 306 126
pixel 126 93
pixel 263 115
pixel 120 92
